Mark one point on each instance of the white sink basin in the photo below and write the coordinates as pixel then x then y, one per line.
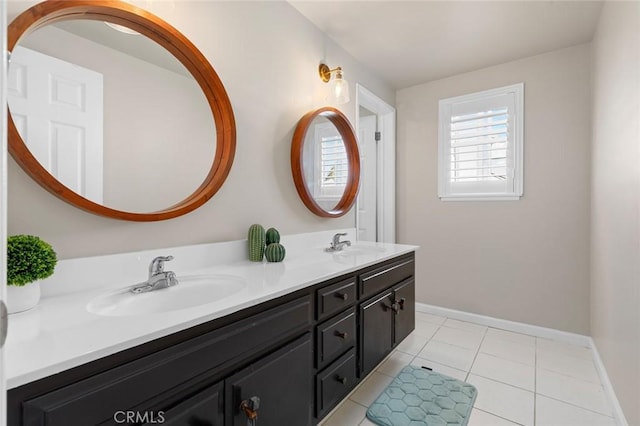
pixel 358 250
pixel 191 291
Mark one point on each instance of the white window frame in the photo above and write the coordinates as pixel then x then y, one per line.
pixel 323 192
pixel 477 191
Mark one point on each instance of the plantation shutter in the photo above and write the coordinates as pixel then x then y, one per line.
pixel 480 144
pixel 333 162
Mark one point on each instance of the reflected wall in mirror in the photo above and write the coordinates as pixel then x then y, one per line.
pixel 325 162
pixel 135 127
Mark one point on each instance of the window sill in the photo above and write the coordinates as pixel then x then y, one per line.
pixel 481 198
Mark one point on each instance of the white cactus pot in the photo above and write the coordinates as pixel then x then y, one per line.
pixel 22 298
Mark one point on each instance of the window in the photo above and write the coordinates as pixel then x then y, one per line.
pixel 480 145
pixel 333 163
pixel 327 164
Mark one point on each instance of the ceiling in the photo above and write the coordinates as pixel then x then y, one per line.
pixel 412 42
pixel 137 46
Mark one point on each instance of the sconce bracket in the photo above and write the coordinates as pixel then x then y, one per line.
pixel 325 72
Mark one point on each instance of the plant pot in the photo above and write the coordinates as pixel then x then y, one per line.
pixel 22 298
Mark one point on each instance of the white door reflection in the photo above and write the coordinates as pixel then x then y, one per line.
pixel 57 109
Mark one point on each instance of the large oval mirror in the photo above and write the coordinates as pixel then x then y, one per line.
pixel 325 162
pixel 128 120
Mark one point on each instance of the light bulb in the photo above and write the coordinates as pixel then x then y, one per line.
pixel 340 92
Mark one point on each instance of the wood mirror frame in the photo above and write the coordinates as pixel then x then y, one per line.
pixel 340 121
pixel 178 45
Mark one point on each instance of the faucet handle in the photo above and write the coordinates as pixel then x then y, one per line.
pixel 336 237
pixel 157 265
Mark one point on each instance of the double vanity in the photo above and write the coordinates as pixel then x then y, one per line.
pixel 283 343
pixel 196 335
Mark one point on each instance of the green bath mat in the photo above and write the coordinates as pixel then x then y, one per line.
pixel 420 397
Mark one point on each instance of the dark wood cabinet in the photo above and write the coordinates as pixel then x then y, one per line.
pixel 281 381
pixel 376 331
pixel 385 320
pixel 405 310
pixel 300 354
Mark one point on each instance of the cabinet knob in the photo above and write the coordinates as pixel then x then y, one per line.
pixel 343 296
pixel 342 380
pixel 342 335
pixel 394 307
pixel 401 303
pixel 250 407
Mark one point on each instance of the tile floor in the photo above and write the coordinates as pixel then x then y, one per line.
pixel 521 379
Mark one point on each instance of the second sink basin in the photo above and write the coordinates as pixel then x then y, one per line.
pixel 190 292
pixel 358 250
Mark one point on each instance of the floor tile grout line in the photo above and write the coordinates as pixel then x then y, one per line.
pixel 599 383
pixel 493 379
pixel 506 359
pixel 500 417
pixel 576 406
pixel 484 335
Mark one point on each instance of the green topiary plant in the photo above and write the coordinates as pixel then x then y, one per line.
pixel 28 259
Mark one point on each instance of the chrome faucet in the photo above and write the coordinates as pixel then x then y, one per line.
pixel 336 244
pixel 158 278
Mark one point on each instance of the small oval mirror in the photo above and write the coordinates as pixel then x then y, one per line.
pixel 325 162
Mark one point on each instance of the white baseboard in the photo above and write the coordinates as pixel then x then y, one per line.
pixel 618 414
pixel 517 327
pixel 544 332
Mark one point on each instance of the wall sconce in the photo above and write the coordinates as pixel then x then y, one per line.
pixel 340 86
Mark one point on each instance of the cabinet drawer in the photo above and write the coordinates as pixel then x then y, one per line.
pixel 379 279
pixel 335 382
pixel 335 297
pixel 335 336
pixel 95 400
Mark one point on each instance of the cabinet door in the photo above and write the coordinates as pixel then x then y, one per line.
pixel 203 409
pixel 405 309
pixel 281 380
pixel 376 330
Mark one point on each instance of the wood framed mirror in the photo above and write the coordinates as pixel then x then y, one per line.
pixel 216 111
pixel 325 162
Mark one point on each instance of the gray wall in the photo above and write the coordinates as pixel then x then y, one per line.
pixel 267 56
pixel 615 219
pixel 524 260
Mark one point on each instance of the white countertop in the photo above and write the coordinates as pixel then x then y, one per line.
pixel 60 333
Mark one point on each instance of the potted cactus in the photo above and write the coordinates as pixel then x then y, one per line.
pixel 29 260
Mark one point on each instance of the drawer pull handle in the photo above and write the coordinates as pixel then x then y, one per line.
pixel 342 335
pixel 342 380
pixel 343 296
